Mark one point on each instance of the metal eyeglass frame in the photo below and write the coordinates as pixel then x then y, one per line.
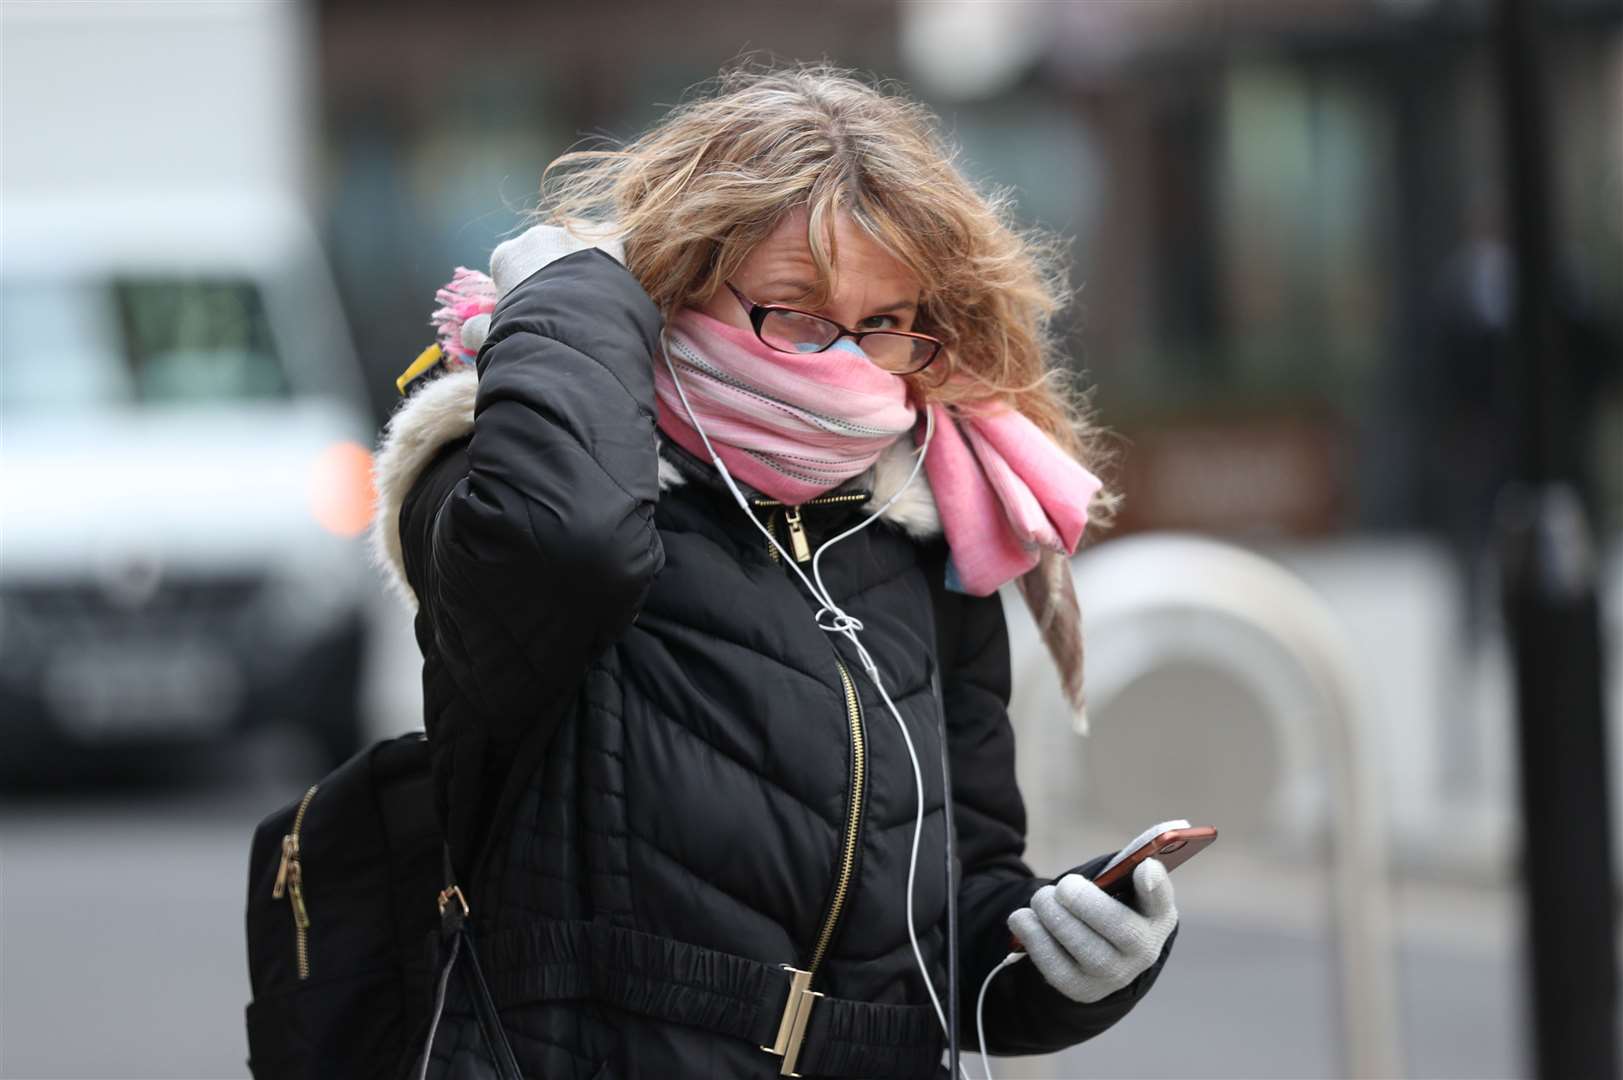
pixel 758 313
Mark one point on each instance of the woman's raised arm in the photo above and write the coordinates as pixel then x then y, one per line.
pixel 540 555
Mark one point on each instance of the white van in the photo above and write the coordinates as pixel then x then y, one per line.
pixel 184 478
pixel 184 434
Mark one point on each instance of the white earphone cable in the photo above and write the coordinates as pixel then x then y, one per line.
pixel 980 1007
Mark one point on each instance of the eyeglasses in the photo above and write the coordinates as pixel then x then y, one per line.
pixel 790 330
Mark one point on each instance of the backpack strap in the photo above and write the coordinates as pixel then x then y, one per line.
pixel 768 1005
pixel 457 944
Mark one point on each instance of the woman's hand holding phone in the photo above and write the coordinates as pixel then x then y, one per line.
pixel 1085 938
pixel 1087 943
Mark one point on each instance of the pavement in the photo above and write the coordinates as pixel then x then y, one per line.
pixel 122 955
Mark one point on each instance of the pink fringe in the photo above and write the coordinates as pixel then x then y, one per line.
pixel 467 294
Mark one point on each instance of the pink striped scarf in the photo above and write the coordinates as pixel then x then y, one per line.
pixel 792 426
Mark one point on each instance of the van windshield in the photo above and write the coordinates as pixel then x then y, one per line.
pixel 71 345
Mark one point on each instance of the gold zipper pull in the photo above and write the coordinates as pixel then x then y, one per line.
pixel 296 892
pixel 797 534
pixel 290 877
pixel 290 857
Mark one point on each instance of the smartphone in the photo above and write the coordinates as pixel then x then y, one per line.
pixel 1173 846
pixel 1173 842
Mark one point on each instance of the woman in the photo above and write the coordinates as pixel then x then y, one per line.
pixel 691 766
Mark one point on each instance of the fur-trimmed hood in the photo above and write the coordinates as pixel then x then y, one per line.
pixel 442 412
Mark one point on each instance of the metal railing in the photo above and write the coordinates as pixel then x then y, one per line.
pixel 1157 600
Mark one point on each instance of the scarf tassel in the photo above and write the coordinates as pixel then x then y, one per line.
pixel 1050 595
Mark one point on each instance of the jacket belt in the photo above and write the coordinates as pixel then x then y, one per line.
pixel 768 1005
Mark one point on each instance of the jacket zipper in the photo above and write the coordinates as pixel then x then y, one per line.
pixel 853 816
pixel 797 530
pixel 290 878
pixel 853 716
pixel 772 527
pixel 792 1024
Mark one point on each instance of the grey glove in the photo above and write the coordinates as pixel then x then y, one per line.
pixel 518 258
pixel 1088 944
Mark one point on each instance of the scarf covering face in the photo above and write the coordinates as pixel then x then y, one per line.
pixel 796 425
pixel 790 425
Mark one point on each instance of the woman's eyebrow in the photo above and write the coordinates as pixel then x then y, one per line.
pixel 795 289
pixel 805 288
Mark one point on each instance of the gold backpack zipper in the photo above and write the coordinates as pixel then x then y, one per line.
pixel 290 878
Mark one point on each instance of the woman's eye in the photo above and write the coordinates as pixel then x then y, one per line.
pixel 892 318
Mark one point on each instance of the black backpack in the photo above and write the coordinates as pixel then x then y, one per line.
pixel 356 926
pixel 343 924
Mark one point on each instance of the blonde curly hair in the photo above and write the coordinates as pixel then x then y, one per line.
pixel 692 196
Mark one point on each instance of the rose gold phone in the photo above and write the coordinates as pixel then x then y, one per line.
pixel 1173 847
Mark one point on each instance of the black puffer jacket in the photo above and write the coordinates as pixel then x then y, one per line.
pixel 679 781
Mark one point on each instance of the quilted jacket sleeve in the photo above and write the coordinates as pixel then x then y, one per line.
pixel 532 546
pixel 1023 1015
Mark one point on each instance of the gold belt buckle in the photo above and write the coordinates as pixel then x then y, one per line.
pixel 792 1026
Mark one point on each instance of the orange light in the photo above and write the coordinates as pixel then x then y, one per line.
pixel 341 493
